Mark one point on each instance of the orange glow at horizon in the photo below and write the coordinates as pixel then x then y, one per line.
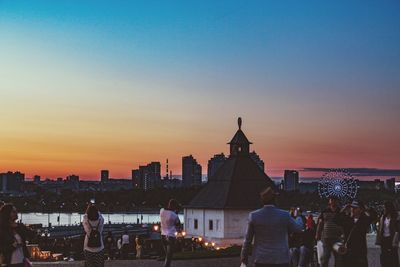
pixel 63 154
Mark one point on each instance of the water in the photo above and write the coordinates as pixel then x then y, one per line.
pixel 76 218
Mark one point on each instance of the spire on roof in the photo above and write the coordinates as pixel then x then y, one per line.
pixel 239 145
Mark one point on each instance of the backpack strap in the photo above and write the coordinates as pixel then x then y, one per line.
pixel 351 232
pixel 97 226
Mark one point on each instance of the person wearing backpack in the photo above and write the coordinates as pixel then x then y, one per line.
pixel 93 246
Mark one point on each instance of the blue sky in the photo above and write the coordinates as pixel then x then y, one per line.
pixel 310 79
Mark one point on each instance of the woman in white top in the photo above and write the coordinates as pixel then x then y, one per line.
pixel 170 224
pixel 388 236
pixel 93 246
pixel 13 237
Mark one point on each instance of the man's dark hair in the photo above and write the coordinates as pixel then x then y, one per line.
pixel 5 217
pixel 173 204
pixel 390 209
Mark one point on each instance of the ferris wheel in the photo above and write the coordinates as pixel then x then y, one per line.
pixel 338 183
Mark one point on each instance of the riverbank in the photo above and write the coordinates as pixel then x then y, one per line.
pixel 63 219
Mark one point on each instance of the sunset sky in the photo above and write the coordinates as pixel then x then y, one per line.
pixel 91 85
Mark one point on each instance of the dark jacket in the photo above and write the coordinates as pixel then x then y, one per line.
pixel 309 238
pixel 393 227
pixel 355 232
pixel 7 240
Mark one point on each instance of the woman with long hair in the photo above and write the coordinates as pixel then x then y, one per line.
pixel 93 246
pixel 388 236
pixel 13 237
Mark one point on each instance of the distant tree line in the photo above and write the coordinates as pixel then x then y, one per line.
pixel 135 200
pixel 131 200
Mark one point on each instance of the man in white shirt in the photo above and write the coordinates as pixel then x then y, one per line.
pixel 125 246
pixel 170 224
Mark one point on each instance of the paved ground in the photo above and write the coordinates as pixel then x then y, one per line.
pixel 224 262
pixel 373 258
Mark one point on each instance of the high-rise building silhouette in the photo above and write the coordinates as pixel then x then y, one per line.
pixel 291 180
pixel 136 178
pixel 258 160
pixel 191 172
pixel 36 179
pixel 104 176
pixel 147 177
pixel 167 171
pixel 11 181
pixel 153 177
pixel 214 164
pixel 72 182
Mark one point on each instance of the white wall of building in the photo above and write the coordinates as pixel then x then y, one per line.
pixel 217 219
pixel 203 217
pixel 226 223
pixel 190 215
pixel 235 223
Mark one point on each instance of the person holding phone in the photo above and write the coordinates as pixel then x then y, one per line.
pixel 355 220
pixel 270 228
pixel 13 238
pixel 170 224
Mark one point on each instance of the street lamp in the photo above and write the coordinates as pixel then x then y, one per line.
pixel 79 212
pixel 59 214
pixel 108 208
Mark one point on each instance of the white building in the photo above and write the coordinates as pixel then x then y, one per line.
pixel 220 211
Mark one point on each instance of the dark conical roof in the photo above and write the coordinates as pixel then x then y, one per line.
pixel 236 185
pixel 239 138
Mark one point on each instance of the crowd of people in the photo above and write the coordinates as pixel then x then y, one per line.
pixel 289 239
pixel 95 246
pixel 13 237
pixel 281 238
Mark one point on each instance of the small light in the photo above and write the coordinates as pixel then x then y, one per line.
pixel 218 248
pixel 213 244
pixel 155 227
pixel 176 233
pixel 200 239
pixel 183 233
pixel 206 244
